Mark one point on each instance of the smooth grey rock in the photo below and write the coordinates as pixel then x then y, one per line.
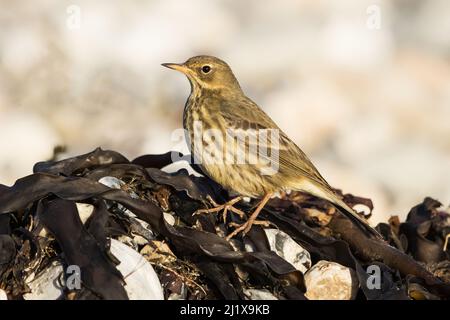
pixel 288 249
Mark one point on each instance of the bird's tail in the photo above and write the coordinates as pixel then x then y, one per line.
pixel 328 194
pixel 350 213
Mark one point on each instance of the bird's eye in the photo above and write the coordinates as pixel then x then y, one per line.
pixel 206 69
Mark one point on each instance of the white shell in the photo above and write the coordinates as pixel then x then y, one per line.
pixel 142 283
pixel 288 249
pixel 111 182
pixel 330 281
pixel 115 183
pixel 3 295
pixel 45 286
pixel 258 294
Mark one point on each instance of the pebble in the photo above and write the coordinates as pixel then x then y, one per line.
pixel 84 211
pixel 3 295
pixel 258 294
pixel 142 282
pixel 288 249
pixel 45 286
pixel 330 281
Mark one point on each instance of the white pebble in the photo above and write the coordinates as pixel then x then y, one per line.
pixel 328 280
pixel 288 249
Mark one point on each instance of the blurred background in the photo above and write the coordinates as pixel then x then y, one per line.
pixel 362 86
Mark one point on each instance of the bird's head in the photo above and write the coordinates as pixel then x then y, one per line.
pixel 207 72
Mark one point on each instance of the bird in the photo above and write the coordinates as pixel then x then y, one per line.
pixel 217 109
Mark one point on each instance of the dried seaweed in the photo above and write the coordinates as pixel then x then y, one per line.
pixel 202 264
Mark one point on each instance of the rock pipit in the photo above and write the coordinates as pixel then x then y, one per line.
pixel 240 147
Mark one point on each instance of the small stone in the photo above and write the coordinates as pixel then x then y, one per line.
pixel 259 294
pixel 84 211
pixel 45 286
pixel 3 295
pixel 112 182
pixel 328 280
pixel 170 219
pixel 288 249
pixel 115 183
pixel 142 282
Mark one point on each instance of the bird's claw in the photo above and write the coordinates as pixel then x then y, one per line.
pixel 245 227
pixel 225 207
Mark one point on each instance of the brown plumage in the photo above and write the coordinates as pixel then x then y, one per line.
pixel 217 102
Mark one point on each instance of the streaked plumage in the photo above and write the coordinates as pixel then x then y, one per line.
pixel 218 102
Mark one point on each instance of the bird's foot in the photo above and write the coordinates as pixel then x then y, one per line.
pixel 245 227
pixel 225 207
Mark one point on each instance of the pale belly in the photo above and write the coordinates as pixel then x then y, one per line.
pixel 244 179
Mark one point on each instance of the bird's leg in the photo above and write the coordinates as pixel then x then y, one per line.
pixel 246 226
pixel 225 207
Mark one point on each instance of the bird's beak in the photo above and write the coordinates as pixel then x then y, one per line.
pixel 176 66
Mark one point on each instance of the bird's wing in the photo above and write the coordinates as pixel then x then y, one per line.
pixel 243 114
pixel 297 171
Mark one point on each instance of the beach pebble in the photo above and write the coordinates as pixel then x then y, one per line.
pixel 3 295
pixel 111 182
pixel 84 211
pixel 170 219
pixel 330 281
pixel 288 249
pixel 258 294
pixel 45 285
pixel 142 283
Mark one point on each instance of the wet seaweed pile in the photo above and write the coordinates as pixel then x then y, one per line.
pixel 81 211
